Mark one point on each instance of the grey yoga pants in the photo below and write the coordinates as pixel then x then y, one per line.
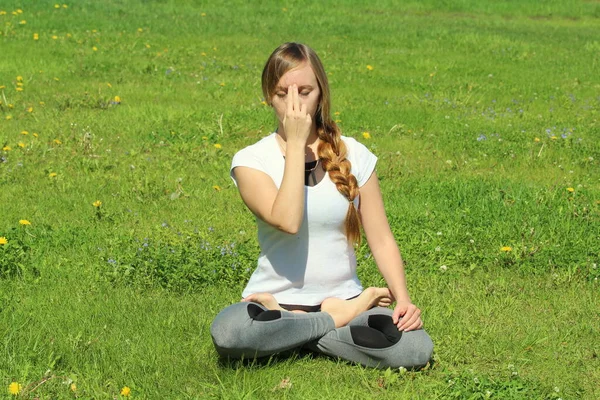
pixel 248 330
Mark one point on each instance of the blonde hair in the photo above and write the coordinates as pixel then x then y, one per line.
pixel 332 149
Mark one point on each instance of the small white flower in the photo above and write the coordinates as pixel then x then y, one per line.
pixel 471 241
pixel 438 248
pixel 594 265
pixel 439 233
pixel 556 389
pixel 443 268
pixel 402 370
pixel 511 366
pixel 476 380
pixel 515 373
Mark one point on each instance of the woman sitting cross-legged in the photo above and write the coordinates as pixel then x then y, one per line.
pixel 311 190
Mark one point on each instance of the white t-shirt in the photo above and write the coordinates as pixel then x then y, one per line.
pixel 317 262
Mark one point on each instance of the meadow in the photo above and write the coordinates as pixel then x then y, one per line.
pixel 122 234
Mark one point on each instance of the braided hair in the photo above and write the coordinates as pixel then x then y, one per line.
pixel 332 150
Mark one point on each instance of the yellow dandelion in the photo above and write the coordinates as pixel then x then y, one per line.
pixel 203 54
pixel 56 79
pixel 57 6
pixel 553 138
pixel 337 121
pixel 19 78
pixel 217 146
pixel 2 12
pixel 42 103
pixel 24 222
pixel 52 174
pixel 8 117
pixel 506 248
pixel 54 37
pixel 2 86
pixel 537 139
pixel 147 46
pixel 97 203
pixel 366 135
pixel 19 84
pixel 217 188
pixel 431 75
pixel 264 103
pixel 336 113
pixel 19 89
pixel 21 145
pixel 56 141
pixel 204 137
pixel 6 148
pixel 203 14
pixel 15 13
pixel 370 67
pixel 570 190
pixel 284 9
pixel 117 99
pixel 108 84
pixel 14 388
pixel 95 48
pixel 30 109
pixel 19 11
pixel 36 36
pixel 125 391
pixel 69 35
pixel 222 83
pixel 73 387
pixel 35 134
pixel 140 30
pixel 65 6
pixel 3 240
pixel 22 22
pixel 24 133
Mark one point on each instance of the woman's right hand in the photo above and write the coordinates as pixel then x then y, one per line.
pixel 296 122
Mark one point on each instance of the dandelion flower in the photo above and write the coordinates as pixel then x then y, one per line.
pixel 204 137
pixel 14 388
pixel 553 138
pixel 203 14
pixel 23 22
pixel 125 391
pixel 217 146
pixel 8 117
pixel 30 109
pixel 222 84
pixel 36 36
pixel 537 139
pixel 35 134
pixel 19 89
pixel 95 48
pixel 19 78
pixel 97 203
pixel 570 190
pixel 7 148
pixel 3 240
pixel 24 222
pixel 24 133
pixel 52 174
pixel 217 188
pixel 140 30
pixel 19 11
pixel 73 387
pixel 65 6
pixel 118 99
pixel 57 6
pixel 56 141
pixel 506 248
pixel 2 12
pixel 54 37
pixel 370 68
pixel 21 145
pixel 366 135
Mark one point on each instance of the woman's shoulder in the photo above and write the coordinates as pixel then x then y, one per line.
pixel 255 154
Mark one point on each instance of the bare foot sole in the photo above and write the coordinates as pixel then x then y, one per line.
pixel 343 311
pixel 266 299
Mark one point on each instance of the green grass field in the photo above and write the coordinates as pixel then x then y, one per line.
pixel 122 235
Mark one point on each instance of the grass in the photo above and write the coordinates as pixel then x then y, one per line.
pixel 484 117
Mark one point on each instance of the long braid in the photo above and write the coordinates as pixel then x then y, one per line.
pixel 332 152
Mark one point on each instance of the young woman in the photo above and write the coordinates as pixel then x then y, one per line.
pixel 311 189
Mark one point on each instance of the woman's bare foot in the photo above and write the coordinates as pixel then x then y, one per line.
pixel 266 299
pixel 343 311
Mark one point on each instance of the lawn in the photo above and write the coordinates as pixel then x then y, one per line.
pixel 122 235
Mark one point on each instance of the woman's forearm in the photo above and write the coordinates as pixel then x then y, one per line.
pixel 389 261
pixel 288 207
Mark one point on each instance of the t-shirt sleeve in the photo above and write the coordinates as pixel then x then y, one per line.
pixel 362 160
pixel 246 158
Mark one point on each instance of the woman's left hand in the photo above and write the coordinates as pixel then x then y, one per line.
pixel 407 316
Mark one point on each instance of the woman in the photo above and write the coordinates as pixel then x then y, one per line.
pixel 310 189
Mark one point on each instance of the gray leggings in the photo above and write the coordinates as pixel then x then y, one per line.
pixel 248 330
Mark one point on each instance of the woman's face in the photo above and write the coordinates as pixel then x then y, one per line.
pixel 309 93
